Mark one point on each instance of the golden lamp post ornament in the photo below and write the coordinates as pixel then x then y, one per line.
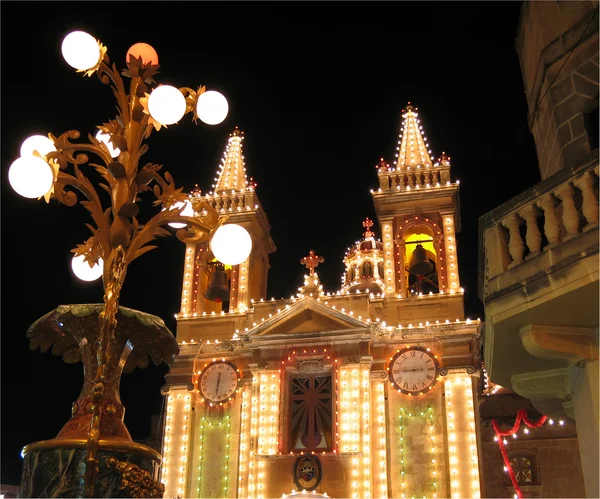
pixel 110 339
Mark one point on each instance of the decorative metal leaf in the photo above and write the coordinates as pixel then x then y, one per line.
pixel 68 327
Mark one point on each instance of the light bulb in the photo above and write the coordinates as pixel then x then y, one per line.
pixel 105 139
pixel 30 176
pixel 83 271
pixel 166 104
pixel 188 211
pixel 145 51
pixel 231 244
pixel 39 143
pixel 212 107
pixel 80 50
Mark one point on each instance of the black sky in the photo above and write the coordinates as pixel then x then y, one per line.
pixel 316 87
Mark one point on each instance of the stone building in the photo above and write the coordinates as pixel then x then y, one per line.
pixel 370 391
pixel 538 275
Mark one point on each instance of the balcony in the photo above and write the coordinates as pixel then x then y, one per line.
pixel 538 280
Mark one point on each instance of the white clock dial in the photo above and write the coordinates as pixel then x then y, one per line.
pixel 218 381
pixel 413 370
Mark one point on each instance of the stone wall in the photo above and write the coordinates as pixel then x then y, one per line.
pixel 557 44
pixel 552 447
pixel 558 464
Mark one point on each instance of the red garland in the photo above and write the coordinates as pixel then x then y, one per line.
pixel 521 416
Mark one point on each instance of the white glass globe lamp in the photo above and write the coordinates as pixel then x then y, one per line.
pixel 38 143
pixel 166 104
pixel 212 107
pixel 30 176
pixel 231 244
pixel 105 138
pixel 83 271
pixel 81 50
pixel 188 211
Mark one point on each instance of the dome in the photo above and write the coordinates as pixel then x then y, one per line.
pixel 364 264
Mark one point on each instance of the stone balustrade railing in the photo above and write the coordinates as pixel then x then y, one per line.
pixel 550 214
pixel 406 179
pixel 227 202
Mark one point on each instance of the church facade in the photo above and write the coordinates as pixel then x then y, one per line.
pixel 367 392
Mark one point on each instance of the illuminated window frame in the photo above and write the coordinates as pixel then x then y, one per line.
pixel 328 429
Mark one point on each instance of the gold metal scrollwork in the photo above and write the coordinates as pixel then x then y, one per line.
pixel 136 482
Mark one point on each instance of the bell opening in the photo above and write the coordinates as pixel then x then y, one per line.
pixel 218 288
pixel 420 264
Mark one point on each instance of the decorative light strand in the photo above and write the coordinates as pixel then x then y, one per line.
pixel 428 415
pixel 225 421
pixel 244 451
pixel 253 483
pixel 451 255
pixel 200 456
pixel 413 148
pixel 232 172
pixel 365 410
pixel 462 437
pixel 381 441
pixel 188 279
pixel 521 416
pixel 175 443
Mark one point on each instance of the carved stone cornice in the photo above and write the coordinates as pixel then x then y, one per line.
pixel 176 386
pixel 542 386
pixel 554 383
pixel 469 369
pixel 357 359
pixel 575 345
pixel 379 375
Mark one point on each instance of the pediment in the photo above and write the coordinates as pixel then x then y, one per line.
pixel 307 316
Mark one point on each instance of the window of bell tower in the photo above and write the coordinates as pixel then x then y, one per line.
pixel 420 261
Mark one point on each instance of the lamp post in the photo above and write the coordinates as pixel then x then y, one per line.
pixel 93 455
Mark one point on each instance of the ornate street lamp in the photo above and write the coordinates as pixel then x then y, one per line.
pixel 93 455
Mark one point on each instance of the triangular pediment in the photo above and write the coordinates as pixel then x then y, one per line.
pixel 308 316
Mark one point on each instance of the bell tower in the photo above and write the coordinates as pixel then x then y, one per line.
pixel 417 206
pixel 235 200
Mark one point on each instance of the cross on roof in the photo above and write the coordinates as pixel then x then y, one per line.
pixel 368 223
pixel 311 261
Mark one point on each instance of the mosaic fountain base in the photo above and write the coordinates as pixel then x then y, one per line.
pixel 56 468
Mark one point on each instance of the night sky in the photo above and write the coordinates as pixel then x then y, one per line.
pixel 316 87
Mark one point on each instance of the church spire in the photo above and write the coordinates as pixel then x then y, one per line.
pixel 232 173
pixel 413 148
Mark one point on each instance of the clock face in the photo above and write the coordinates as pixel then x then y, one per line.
pixel 218 381
pixel 413 370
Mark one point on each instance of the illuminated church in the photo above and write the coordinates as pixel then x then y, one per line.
pixel 362 393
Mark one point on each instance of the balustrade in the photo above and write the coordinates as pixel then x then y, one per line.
pixel 545 221
pixel 409 179
pixel 236 201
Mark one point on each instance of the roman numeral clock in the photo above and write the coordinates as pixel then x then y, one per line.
pixel 413 370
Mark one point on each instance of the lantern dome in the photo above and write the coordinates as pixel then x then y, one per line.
pixel 364 264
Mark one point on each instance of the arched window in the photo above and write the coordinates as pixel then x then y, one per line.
pixel 380 269
pixel 367 269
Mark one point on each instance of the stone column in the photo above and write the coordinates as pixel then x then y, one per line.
pixel 551 226
pixel 585 183
pixel 378 434
pixel 516 247
pixel 570 216
pixel 389 258
pixel 533 237
pixel 451 263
